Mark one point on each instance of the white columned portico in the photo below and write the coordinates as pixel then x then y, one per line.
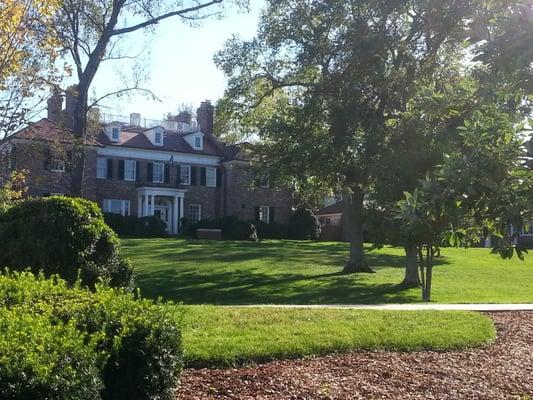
pixel 147 198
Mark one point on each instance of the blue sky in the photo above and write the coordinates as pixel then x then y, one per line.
pixel 179 63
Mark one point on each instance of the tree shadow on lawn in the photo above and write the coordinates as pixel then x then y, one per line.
pixel 310 253
pixel 200 272
pixel 241 287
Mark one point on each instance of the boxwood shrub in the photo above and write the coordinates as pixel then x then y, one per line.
pixel 131 225
pixel 304 225
pixel 43 361
pixel 121 347
pixel 65 236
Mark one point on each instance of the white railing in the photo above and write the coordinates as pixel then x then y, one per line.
pixel 149 123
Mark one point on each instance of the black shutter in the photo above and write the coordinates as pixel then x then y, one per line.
pixel 47 159
pixel 121 170
pixel 178 175
pixel 109 168
pixel 138 171
pixel 257 213
pixel 68 161
pixel 271 215
pixel 150 172
pixel 203 180
pixel 219 177
pixel 193 176
pixel 167 173
pixel 13 158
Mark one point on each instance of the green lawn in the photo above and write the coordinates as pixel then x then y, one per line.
pixel 230 336
pixel 290 272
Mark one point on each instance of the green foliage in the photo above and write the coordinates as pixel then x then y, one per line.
pixel 65 236
pixel 131 225
pixel 134 345
pixel 39 360
pixel 13 189
pixel 304 225
pixel 271 230
pixel 232 228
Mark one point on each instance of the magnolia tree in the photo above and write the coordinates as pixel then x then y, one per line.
pixel 483 188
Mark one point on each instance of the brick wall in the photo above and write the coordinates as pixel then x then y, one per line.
pixel 241 197
pixel 37 157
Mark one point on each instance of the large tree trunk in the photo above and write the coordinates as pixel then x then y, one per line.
pixel 353 229
pixel 411 278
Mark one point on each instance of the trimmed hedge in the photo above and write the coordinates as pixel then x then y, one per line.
pixel 70 343
pixel 232 228
pixel 304 225
pixel 43 361
pixel 131 225
pixel 65 236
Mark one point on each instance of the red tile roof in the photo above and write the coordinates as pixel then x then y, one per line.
pixel 49 131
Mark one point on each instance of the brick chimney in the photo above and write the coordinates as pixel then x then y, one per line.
pixel 204 117
pixel 54 106
pixel 70 104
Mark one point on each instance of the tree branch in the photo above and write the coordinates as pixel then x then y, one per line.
pixel 120 92
pixel 156 20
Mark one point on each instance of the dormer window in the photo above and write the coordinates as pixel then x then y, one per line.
pixel 195 140
pixel 113 131
pixel 156 135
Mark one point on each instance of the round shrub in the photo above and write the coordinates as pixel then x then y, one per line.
pixel 304 225
pixel 137 342
pixel 65 236
pixel 130 225
pixel 43 361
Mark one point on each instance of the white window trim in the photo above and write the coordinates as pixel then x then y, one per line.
pixel 523 233
pixel 267 214
pixel 104 168
pixel 214 177
pixel 125 206
pixel 199 212
pixel 113 138
pixel 162 172
pixel 134 170
pixel 182 168
pixel 160 141
pixel 198 139
pixel 57 165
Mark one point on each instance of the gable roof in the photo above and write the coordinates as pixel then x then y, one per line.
pixel 134 137
pixel 48 131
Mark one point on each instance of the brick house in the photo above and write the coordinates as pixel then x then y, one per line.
pixel 171 169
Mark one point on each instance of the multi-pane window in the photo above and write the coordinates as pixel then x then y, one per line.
pixel 101 168
pixel 158 137
pixel 197 142
pixel 130 167
pixel 528 229
pixel 158 173
pixel 115 132
pixel 117 206
pixel 264 214
pixel 57 165
pixel 195 213
pixel 185 174
pixel 210 177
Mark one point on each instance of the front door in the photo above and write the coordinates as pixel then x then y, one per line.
pixel 162 212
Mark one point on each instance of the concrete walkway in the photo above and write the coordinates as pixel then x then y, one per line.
pixel 408 307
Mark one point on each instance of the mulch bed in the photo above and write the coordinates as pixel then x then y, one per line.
pixel 503 370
